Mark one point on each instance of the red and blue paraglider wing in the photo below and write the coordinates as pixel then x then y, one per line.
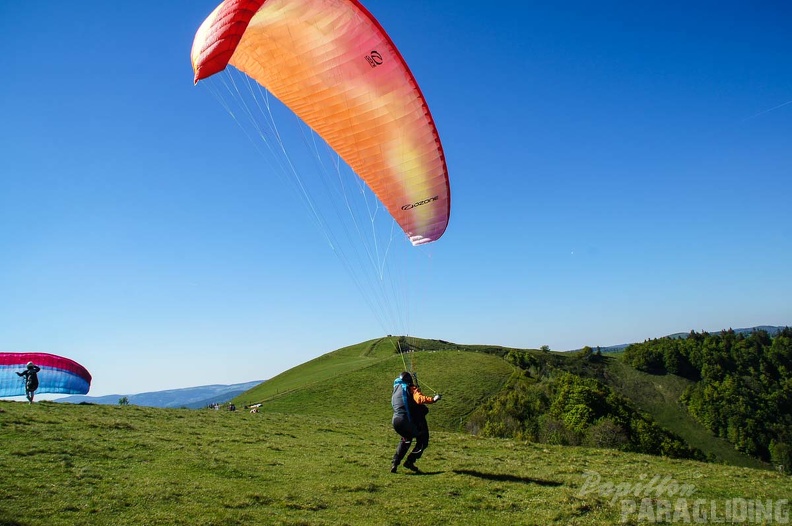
pixel 57 374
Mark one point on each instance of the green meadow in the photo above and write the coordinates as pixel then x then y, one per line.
pixel 318 452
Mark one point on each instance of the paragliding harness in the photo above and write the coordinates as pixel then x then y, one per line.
pixel 405 392
pixel 409 405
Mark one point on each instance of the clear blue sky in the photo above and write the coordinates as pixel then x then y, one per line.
pixel 619 171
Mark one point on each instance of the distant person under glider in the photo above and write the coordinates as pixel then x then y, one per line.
pixel 27 373
pixel 30 374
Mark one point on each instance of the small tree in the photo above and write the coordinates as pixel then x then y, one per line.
pixel 544 348
pixel 587 353
pixel 123 401
pixel 606 433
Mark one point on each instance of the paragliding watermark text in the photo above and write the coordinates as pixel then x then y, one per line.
pixel 662 499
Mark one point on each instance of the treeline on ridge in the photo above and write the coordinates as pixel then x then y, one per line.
pixel 743 385
pixel 558 400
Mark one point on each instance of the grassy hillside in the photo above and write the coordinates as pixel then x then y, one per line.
pixel 63 464
pixel 356 380
pixel 320 369
pixel 658 395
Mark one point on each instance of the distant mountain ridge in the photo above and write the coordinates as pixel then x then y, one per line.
pixel 770 329
pixel 189 397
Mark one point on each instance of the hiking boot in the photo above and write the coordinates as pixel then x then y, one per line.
pixel 411 466
pixel 393 467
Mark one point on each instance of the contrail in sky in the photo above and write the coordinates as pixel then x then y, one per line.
pixel 768 111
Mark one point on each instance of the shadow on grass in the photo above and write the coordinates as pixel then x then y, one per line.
pixel 507 478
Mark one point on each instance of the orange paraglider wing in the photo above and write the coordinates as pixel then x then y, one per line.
pixel 334 66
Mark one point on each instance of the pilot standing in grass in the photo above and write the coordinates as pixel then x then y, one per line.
pixel 409 420
pixel 31 380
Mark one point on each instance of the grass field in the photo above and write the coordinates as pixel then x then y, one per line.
pixel 360 374
pixel 319 450
pixel 64 464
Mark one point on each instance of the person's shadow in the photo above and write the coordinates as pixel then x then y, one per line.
pixel 503 477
